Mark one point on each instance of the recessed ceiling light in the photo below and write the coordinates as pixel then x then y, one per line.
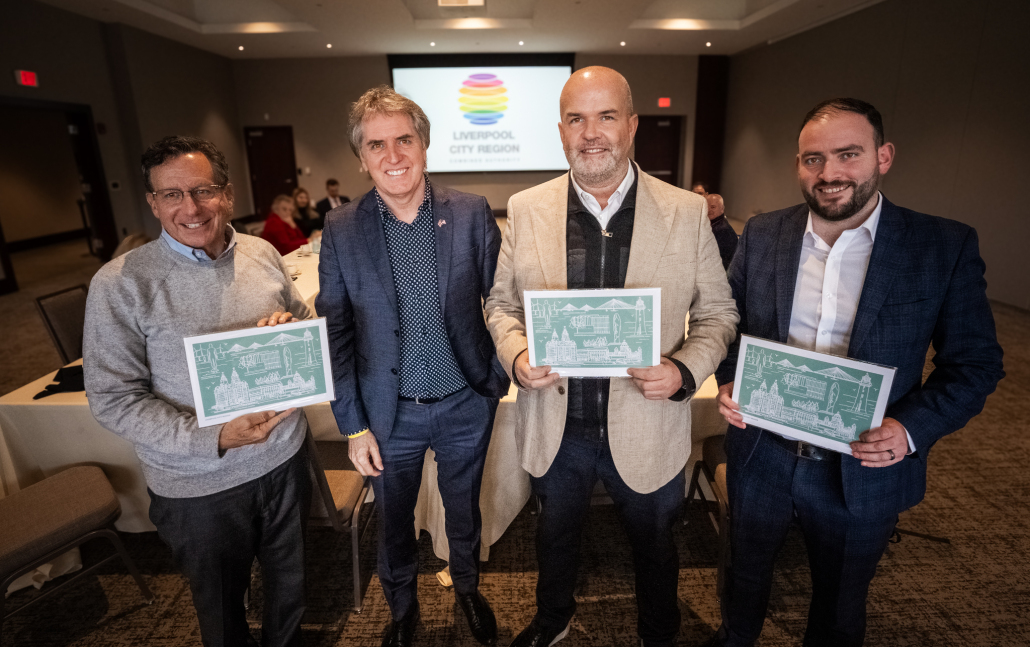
pixel 241 48
pixel 709 44
pixel 328 45
pixel 432 44
pixel 520 42
pixel 623 43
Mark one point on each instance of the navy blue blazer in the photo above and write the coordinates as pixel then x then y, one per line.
pixel 924 286
pixel 358 299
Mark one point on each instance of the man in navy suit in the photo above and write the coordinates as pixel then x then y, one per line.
pixel 332 198
pixel 848 273
pixel 403 271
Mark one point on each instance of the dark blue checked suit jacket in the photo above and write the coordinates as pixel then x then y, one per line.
pixel 358 300
pixel 925 286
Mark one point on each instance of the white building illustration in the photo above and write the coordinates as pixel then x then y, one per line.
pixel 229 394
pixel 236 393
pixel 565 352
pixel 594 333
pixel 247 376
pixel 562 351
pixel 768 403
pixel 261 361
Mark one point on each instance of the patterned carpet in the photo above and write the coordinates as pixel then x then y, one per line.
pixel 973 591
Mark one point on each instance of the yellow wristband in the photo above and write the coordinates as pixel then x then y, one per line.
pixel 360 433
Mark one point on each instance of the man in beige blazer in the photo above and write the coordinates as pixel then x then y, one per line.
pixel 607 224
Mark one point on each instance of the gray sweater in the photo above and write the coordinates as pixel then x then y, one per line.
pixel 140 307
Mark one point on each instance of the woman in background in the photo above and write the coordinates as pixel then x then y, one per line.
pixel 280 227
pixel 305 214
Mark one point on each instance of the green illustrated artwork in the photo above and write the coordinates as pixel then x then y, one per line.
pixel 819 398
pixel 259 369
pixel 593 332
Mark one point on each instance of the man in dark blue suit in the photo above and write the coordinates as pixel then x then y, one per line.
pixel 402 273
pixel 848 273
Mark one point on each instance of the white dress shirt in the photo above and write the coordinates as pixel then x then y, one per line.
pixel 614 202
pixel 829 286
pixel 334 202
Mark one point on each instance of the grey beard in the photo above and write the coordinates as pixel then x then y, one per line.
pixel 863 192
pixel 598 177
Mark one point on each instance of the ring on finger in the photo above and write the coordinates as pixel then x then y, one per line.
pixel 891 452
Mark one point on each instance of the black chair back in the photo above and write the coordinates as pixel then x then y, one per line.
pixel 64 314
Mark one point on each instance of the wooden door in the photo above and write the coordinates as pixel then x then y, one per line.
pixel 273 167
pixel 658 147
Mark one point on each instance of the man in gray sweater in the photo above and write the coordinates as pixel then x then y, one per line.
pixel 220 495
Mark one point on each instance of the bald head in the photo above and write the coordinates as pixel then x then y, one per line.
pixel 597 128
pixel 596 79
pixel 716 206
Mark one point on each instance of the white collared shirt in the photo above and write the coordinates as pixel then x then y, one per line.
pixel 614 202
pixel 829 285
pixel 334 202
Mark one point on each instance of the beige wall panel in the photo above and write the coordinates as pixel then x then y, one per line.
pixel 949 77
pixel 67 51
pixel 180 90
pixel 39 180
pixel 773 87
pixel 933 99
pixel 992 170
pixel 314 97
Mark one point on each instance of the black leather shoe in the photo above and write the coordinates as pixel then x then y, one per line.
pixel 401 633
pixel 715 641
pixel 536 636
pixel 481 619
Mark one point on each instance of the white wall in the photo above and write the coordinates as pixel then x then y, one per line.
pixel 950 78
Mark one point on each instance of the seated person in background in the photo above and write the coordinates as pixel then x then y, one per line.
pixel 304 214
pixel 224 494
pixel 332 199
pixel 700 188
pixel 280 228
pixel 724 234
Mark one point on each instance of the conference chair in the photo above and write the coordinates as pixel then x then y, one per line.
pixel 339 496
pixel 713 467
pixel 49 518
pixel 64 314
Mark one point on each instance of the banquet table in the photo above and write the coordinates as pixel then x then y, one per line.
pixel 41 437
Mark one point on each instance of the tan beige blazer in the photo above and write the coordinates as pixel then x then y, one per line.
pixel 672 248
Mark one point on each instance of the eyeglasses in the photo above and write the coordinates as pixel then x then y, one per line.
pixel 172 197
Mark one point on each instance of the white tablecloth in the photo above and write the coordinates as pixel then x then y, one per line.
pixel 42 437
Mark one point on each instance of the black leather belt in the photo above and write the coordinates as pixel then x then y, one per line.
pixel 421 400
pixel 803 449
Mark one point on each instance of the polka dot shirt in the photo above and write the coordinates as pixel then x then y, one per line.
pixel 428 367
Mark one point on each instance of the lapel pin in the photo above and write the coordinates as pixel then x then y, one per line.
pixel 441 222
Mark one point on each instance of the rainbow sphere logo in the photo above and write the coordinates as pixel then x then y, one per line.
pixel 483 99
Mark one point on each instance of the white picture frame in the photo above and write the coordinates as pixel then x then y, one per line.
pixel 259 369
pixel 600 344
pixel 824 400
